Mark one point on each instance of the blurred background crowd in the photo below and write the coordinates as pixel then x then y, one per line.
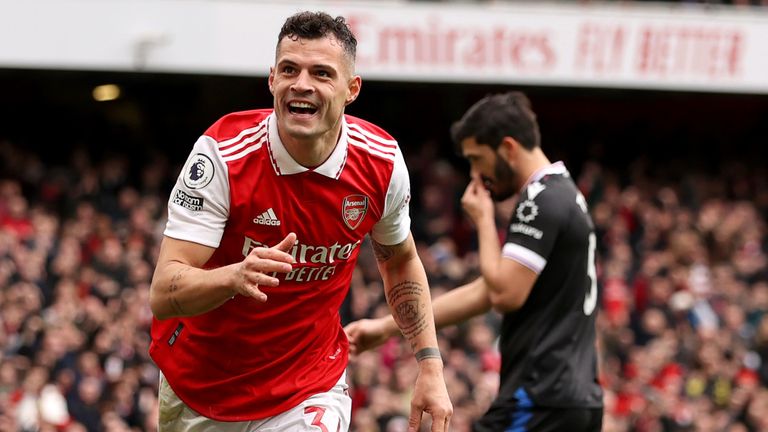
pixel 682 264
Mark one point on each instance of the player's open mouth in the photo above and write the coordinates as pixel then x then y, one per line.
pixel 302 108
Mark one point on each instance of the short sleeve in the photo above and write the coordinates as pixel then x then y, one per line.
pixel 534 227
pixel 395 224
pixel 198 207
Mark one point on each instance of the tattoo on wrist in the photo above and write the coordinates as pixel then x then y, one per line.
pixel 426 353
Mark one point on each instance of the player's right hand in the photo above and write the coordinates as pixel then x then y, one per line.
pixel 366 334
pixel 477 201
pixel 261 262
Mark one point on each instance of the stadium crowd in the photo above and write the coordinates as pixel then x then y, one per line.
pixel 683 271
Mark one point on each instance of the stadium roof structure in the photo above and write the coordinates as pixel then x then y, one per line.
pixel 626 45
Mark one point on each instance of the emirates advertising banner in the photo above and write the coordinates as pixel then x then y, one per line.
pixel 592 45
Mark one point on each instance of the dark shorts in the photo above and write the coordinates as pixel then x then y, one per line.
pixel 544 419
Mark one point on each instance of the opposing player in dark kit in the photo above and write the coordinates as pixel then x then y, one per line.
pixel 542 278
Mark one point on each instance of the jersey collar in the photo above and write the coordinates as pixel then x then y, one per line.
pixel 557 168
pixel 284 164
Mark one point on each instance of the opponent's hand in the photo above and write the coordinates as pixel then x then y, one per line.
pixel 430 396
pixel 366 334
pixel 477 201
pixel 255 269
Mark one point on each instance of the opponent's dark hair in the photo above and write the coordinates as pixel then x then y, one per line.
pixel 316 25
pixel 497 116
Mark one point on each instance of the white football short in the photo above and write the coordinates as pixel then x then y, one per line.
pixel 327 412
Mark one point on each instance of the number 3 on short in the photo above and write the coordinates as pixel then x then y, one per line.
pixel 590 301
pixel 318 412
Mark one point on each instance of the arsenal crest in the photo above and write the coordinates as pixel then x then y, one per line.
pixel 353 210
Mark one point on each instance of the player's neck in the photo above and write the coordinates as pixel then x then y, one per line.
pixel 311 152
pixel 532 162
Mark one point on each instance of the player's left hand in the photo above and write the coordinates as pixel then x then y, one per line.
pixel 477 201
pixel 430 396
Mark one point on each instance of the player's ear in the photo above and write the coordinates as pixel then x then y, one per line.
pixel 508 148
pixel 271 80
pixel 355 84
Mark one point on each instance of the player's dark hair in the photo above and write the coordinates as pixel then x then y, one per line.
pixel 316 25
pixel 497 116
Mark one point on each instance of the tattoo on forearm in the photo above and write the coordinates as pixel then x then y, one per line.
pixel 382 252
pixel 172 288
pixel 408 311
pixel 175 280
pixel 175 305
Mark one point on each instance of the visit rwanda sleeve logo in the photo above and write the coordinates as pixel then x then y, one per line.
pixel 353 210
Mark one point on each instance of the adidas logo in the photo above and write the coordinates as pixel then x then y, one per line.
pixel 267 218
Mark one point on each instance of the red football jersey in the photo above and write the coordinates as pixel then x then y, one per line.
pixel 240 189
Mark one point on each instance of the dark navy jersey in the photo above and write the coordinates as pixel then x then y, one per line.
pixel 548 345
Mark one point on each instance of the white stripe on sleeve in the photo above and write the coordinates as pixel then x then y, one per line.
pixel 524 256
